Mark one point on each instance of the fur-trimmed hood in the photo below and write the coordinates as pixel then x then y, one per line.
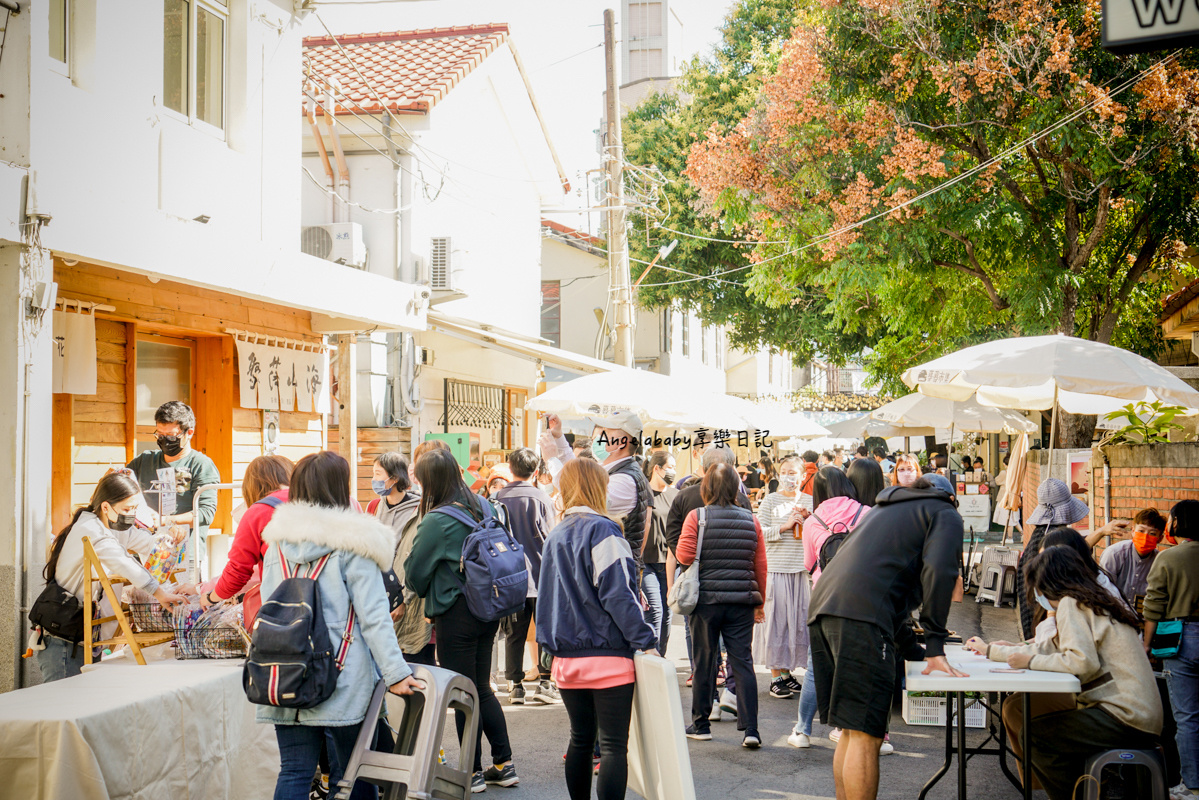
pixel 307 532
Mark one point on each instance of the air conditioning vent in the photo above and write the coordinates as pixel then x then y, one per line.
pixel 339 242
pixel 316 241
pixel 440 265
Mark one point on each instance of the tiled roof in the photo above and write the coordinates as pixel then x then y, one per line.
pixel 571 233
pixel 410 70
pixel 1179 300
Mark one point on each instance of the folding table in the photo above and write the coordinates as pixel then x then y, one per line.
pixel 981 677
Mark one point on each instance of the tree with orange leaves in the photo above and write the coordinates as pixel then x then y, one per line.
pixel 1079 191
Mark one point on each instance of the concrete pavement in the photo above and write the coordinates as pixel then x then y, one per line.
pixel 724 769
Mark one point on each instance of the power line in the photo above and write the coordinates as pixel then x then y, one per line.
pixel 332 193
pixel 568 58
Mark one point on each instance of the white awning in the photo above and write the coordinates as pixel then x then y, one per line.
pixel 514 344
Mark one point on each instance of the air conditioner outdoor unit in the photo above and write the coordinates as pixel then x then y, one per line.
pixel 340 242
pixel 441 263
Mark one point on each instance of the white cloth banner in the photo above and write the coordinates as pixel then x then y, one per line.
pixel 249 372
pixel 74 353
pixel 282 379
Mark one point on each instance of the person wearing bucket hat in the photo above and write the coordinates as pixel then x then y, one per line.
pixel 1055 506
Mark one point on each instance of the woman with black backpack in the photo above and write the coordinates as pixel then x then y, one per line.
pixel 108 522
pixel 464 642
pixel 837 512
pixel 318 534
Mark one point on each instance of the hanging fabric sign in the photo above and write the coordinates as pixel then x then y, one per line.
pixel 280 378
pixel 74 353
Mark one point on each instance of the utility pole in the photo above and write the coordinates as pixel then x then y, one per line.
pixel 618 241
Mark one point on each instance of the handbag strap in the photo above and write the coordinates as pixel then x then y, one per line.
pixel 314 573
pixel 699 538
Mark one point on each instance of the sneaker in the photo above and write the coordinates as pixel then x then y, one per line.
pixel 715 715
pixel 834 735
pixel 501 776
pixel 796 686
pixel 800 740
pixel 728 702
pixel 477 784
pixel 1181 792
pixel 694 733
pixel 886 748
pixel 780 688
pixel 320 787
pixel 516 694
pixel 752 740
pixel 547 693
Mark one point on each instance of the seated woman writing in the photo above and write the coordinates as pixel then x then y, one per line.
pixel 1096 640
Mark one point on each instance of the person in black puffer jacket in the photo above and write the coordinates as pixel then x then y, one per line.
pixel 732 583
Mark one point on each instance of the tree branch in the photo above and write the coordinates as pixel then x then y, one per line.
pixel 975 269
pixel 1145 258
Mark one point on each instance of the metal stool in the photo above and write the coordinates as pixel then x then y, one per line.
pixel 1153 760
pixel 998 580
pixel 413 771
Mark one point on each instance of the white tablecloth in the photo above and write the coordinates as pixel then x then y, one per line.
pixel 982 678
pixel 171 730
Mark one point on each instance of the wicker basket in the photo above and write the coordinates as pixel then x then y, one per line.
pixel 931 711
pixel 209 643
pixel 151 618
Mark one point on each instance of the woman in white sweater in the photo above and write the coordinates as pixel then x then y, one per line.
pixel 1098 641
pixel 107 521
pixel 781 642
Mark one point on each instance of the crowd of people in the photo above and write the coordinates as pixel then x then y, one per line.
pixel 829 570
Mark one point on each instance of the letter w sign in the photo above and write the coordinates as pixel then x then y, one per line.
pixel 1139 26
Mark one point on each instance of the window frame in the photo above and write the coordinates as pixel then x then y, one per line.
pixel 145 433
pixel 63 67
pixel 686 337
pixel 556 308
pixel 221 11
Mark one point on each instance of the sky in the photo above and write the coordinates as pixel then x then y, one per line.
pixel 560 42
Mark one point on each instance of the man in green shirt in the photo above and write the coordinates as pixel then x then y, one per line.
pixel 174 426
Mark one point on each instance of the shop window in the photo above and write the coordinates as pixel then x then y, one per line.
pixel 164 370
pixel 551 312
pixel 194 59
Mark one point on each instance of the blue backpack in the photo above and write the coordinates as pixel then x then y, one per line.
pixel 497 576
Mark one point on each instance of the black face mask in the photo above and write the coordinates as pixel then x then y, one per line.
pixel 169 445
pixel 123 522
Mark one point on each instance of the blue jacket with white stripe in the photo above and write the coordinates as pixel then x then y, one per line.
pixel 588 603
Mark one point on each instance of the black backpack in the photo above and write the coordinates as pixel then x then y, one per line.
pixel 292 663
pixel 838 534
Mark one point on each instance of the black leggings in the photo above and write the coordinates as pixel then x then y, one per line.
pixel 607 711
pixel 464 646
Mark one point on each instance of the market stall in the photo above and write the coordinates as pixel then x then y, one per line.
pixel 172 729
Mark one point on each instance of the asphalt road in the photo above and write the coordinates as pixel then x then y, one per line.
pixel 724 769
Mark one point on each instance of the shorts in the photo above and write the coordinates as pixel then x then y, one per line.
pixel 854 663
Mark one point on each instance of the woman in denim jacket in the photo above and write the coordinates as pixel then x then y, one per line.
pixel 319 520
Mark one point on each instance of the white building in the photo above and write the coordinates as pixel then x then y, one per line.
pixel 442 125
pixel 651 48
pixel 150 179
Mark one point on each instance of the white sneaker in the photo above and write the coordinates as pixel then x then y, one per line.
pixel 1181 792
pixel 886 748
pixel 728 701
pixel 800 740
pixel 715 716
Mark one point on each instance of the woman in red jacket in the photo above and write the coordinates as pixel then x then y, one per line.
pixel 263 488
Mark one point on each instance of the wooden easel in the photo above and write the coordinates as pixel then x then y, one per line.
pixel 125 635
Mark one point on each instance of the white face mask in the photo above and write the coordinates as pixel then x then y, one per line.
pixel 788 482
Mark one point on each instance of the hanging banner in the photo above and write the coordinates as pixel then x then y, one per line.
pixel 74 353
pixel 249 371
pixel 278 378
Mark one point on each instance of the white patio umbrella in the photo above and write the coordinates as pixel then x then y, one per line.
pixel 915 410
pixel 779 423
pixel 1036 372
pixel 863 427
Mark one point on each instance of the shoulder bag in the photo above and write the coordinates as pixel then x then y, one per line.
pixel 684 595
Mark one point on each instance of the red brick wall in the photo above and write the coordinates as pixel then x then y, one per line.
pixel 1145 476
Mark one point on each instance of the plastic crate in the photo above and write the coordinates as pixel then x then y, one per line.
pixel 151 618
pixel 931 711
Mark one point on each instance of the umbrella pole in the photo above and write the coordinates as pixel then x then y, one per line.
pixel 1052 433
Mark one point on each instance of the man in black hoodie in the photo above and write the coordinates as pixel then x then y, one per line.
pixel 906 553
